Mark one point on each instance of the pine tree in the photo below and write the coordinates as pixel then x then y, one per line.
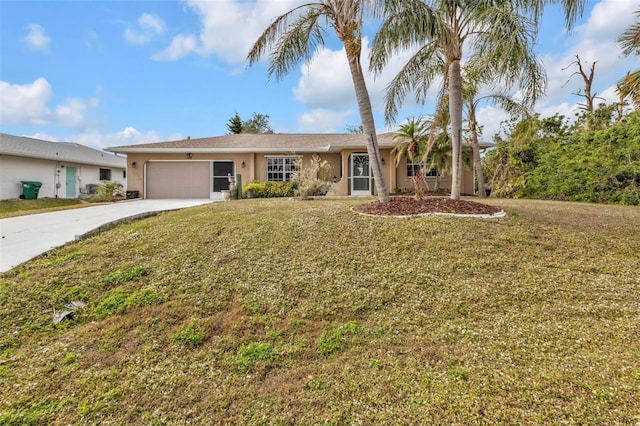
pixel 235 125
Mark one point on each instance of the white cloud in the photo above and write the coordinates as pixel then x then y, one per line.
pixel 26 104
pixel 149 26
pixel 181 46
pixel 228 28
pixel 326 82
pixel 128 136
pixel 322 120
pixel 94 139
pixel 36 39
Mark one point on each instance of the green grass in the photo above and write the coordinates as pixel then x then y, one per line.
pixel 10 208
pixel 289 312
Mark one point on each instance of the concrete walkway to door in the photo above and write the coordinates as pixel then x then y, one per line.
pixel 26 237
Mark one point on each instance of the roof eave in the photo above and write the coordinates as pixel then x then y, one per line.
pixel 266 150
pixel 63 159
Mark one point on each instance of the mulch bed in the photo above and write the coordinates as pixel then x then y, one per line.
pixel 409 206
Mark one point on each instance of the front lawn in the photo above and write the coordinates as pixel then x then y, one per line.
pixel 275 311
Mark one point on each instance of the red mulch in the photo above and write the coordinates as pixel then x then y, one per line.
pixel 406 206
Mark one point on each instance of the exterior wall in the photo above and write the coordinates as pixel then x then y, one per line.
pixel 52 175
pixel 255 165
pixel 255 168
pixel 15 169
pixel 404 183
pixel 135 173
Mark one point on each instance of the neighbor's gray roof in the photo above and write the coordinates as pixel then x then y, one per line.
pixel 57 151
pixel 266 143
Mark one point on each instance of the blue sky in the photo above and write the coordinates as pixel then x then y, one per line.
pixel 108 73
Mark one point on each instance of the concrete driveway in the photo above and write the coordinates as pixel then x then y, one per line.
pixel 26 237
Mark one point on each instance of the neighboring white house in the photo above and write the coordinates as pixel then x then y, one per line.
pixel 65 169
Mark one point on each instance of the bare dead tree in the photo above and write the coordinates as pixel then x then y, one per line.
pixel 587 106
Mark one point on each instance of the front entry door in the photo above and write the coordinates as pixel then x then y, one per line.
pixel 70 186
pixel 221 172
pixel 360 175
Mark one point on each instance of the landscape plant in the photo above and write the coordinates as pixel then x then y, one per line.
pixel 313 179
pixel 601 166
pixel 107 190
pixel 270 189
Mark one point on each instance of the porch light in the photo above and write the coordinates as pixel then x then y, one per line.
pixel 134 164
pixel 243 164
pixel 382 161
pixel 189 156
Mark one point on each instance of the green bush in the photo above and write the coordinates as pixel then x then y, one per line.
pixel 107 190
pixel 598 166
pixel 269 189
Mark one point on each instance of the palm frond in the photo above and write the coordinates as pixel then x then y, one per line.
pixel 298 44
pixel 629 86
pixel 417 74
pixel 408 23
pixel 287 42
pixel 630 39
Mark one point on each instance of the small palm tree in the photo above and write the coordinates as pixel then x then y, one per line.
pixel 409 137
pixel 295 36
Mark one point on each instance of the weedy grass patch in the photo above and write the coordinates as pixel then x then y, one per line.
pixel 11 208
pixel 274 311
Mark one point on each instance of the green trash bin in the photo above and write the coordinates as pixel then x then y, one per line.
pixel 30 189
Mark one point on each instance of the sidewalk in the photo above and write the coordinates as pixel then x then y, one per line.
pixel 26 237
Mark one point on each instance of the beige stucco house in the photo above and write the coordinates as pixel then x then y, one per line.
pixel 199 168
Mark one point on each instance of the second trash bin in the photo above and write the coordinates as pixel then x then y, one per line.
pixel 30 189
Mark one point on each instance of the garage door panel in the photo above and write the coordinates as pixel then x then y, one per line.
pixel 178 179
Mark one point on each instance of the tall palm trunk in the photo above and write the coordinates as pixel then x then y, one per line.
pixel 368 124
pixel 477 162
pixel 455 111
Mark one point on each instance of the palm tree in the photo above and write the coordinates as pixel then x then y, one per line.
pixel 500 34
pixel 296 35
pixel 471 101
pixel 409 137
pixel 630 42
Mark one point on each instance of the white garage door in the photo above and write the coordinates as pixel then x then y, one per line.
pixel 178 179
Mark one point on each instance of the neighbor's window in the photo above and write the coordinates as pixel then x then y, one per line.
pixel 413 169
pixel 281 168
pixel 105 174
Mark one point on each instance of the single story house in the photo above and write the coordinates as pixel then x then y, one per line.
pixel 65 169
pixel 199 168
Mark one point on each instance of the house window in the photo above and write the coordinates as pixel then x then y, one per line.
pixel 105 174
pixel 281 168
pixel 413 169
